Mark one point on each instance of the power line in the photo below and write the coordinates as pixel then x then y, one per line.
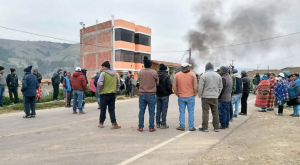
pixel 182 56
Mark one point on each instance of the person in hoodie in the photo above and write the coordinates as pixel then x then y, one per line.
pixel 294 90
pixel 97 92
pixel 186 88
pixel 281 93
pixel 149 80
pixel 29 86
pixel 108 85
pixel 245 95
pixel 2 85
pixel 78 85
pixel 39 90
pixel 237 94
pixel 255 82
pixel 67 89
pixel 87 82
pixel 164 90
pixel 13 84
pixel 210 87
pixel 55 83
pixel 225 98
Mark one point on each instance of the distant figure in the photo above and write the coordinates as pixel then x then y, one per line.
pixel 122 86
pixel 148 79
pixel 294 89
pixel 210 87
pixel 55 83
pixel 62 81
pixel 78 85
pixel 281 93
pixel 39 90
pixel 92 86
pixel 128 84
pixel 29 86
pixel 271 99
pixel 246 91
pixel 164 90
pixel 133 85
pixel 67 89
pixel 13 84
pixel 95 84
pixel 87 82
pixel 2 85
pixel 263 91
pixel 108 84
pixel 186 88
pixel 255 82
pixel 237 94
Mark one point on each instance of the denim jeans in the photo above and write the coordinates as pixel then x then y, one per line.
pixel 98 97
pixel 144 100
pixel 108 100
pixel 77 100
pixel 224 114
pixel 162 109
pixel 29 103
pixel 236 99
pixel 296 109
pixel 188 102
pixel 2 90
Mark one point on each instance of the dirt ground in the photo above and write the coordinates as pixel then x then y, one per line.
pixel 264 139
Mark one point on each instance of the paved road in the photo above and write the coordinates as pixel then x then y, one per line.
pixel 56 136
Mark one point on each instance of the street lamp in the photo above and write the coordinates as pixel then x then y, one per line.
pixel 81 43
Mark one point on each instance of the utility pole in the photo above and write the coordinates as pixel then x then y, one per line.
pixel 268 68
pixel 257 66
pixel 232 62
pixel 190 55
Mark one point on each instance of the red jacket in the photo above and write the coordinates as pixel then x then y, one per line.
pixel 78 81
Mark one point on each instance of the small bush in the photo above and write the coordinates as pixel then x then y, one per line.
pixel 6 101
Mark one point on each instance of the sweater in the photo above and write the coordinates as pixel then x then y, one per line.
pixel 185 84
pixel 210 85
pixel 2 80
pixel 225 95
pixel 148 79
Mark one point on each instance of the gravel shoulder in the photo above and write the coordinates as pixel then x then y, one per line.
pixel 263 139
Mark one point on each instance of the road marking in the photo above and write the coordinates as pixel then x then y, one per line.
pixel 158 146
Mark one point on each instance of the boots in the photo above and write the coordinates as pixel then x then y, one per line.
pixel 101 125
pixel 115 126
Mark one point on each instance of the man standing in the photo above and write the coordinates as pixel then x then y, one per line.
pixel 246 91
pixel 97 92
pixel 78 85
pixel 128 84
pixel 108 84
pixel 2 85
pixel 225 98
pixel 13 84
pixel 237 94
pixel 148 79
pixel 55 83
pixel 67 89
pixel 210 87
pixel 39 90
pixel 164 90
pixel 255 82
pixel 185 87
pixel 133 85
pixel 29 86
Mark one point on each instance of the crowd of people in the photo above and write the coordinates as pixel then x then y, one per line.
pixel 221 91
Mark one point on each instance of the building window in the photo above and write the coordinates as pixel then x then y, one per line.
pixel 142 39
pixel 124 35
pixel 139 57
pixel 125 56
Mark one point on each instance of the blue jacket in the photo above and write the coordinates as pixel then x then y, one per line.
pixel 29 85
pixel 294 89
pixel 67 86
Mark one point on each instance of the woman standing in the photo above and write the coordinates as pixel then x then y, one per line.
pixel 263 90
pixel 271 99
pixel 281 93
pixel 294 90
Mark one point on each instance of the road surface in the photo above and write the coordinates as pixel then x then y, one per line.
pixel 56 136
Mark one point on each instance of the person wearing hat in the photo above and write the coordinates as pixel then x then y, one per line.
pixel 67 89
pixel 164 90
pixel 271 99
pixel 55 83
pixel 237 93
pixel 39 90
pixel 13 84
pixel 245 95
pixel 78 85
pixel 2 84
pixel 255 82
pixel 263 90
pixel 149 80
pixel 210 87
pixel 294 90
pixel 108 85
pixel 29 86
pixel 186 88
pixel 281 93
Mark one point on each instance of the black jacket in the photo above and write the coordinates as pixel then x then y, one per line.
pixel 56 77
pixel 246 84
pixel 39 77
pixel 12 80
pixel 96 80
pixel 165 86
pixel 127 81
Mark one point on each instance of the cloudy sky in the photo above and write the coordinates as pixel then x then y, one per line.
pixel 170 20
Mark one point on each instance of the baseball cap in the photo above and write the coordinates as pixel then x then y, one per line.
pixel 185 64
pixel 78 69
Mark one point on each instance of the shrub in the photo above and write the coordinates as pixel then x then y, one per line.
pixel 6 101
